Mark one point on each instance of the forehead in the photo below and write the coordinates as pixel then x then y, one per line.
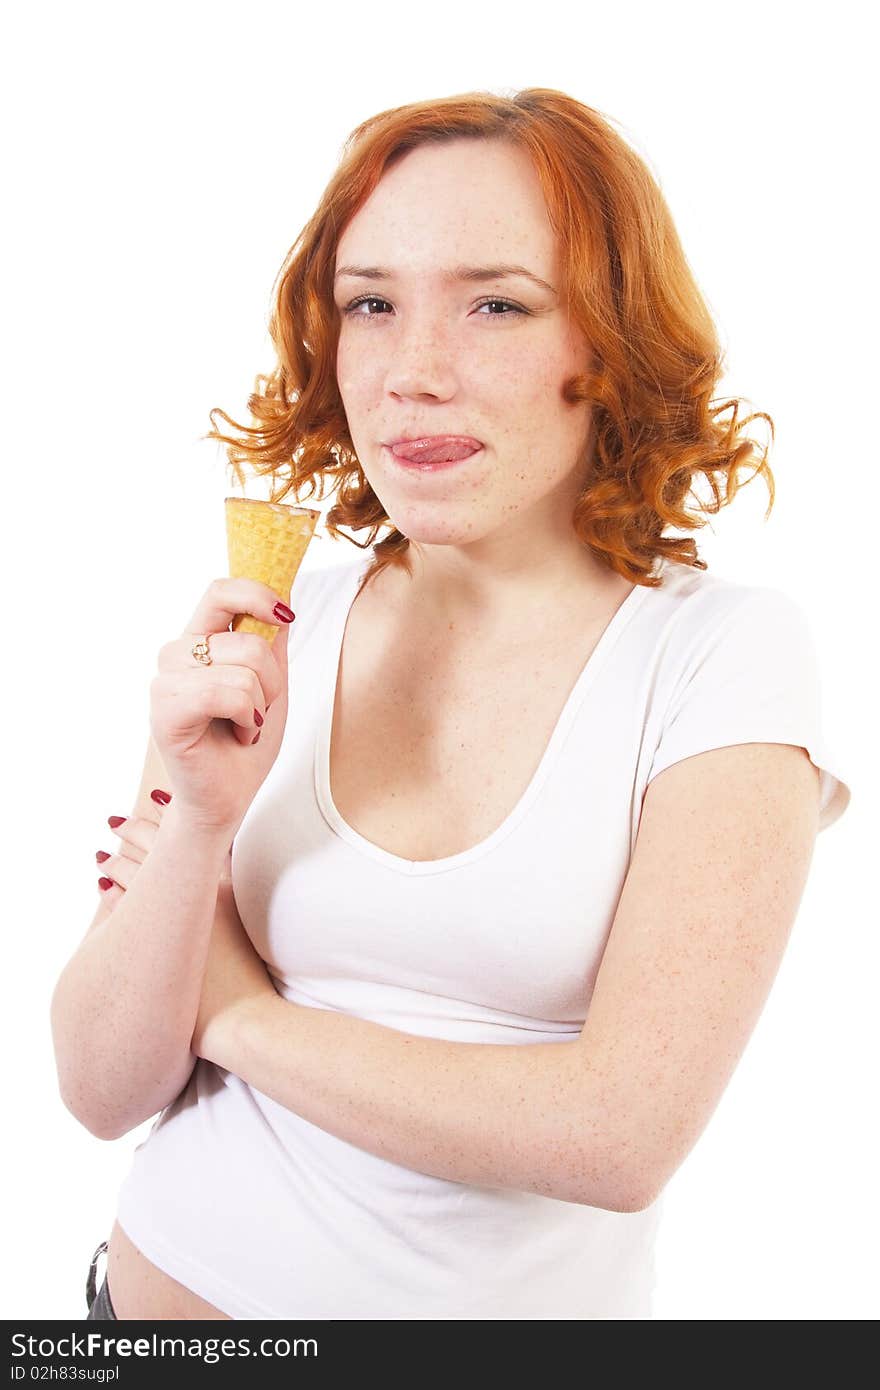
pixel 464 200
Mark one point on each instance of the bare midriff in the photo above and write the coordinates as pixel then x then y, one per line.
pixel 139 1289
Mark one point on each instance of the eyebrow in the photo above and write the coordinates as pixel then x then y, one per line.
pixel 457 273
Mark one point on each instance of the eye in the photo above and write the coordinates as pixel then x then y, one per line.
pixel 507 304
pixel 363 299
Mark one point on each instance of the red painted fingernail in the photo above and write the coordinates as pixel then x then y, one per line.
pixel 113 821
pixel 282 611
pixel 104 884
pixel 159 796
pixel 101 855
pixel 258 718
pixel 255 739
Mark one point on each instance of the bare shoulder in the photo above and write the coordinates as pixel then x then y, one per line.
pixel 713 888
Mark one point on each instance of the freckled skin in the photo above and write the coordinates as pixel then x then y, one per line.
pixel 429 358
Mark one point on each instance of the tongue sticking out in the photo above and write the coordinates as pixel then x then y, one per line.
pixel 436 453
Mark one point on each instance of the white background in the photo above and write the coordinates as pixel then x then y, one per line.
pixel 160 161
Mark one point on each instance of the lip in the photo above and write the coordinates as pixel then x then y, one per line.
pixel 429 443
pixel 434 439
pixel 409 466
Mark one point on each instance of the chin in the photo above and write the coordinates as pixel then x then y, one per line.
pixel 435 531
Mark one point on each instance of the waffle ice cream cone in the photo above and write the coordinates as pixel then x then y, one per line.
pixel 266 541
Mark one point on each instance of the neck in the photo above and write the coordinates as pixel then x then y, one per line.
pixel 472 586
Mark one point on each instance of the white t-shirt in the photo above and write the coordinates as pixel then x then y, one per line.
pixel 268 1216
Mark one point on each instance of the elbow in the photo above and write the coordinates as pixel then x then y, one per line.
pixel 90 1109
pixel 637 1199
pixel 629 1199
pixel 641 1189
pixel 612 1185
pixel 102 1121
pixel 98 1131
pixel 99 1128
pixel 620 1200
pixel 70 1084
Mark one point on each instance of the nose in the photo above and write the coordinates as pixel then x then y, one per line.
pixel 420 362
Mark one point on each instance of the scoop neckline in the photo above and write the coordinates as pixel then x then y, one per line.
pixel 417 867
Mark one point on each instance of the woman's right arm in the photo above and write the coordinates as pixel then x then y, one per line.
pixel 125 1005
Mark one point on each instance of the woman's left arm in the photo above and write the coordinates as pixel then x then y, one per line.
pixel 494 1115
pixel 720 864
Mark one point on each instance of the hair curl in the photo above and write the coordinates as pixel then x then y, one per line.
pixel 627 284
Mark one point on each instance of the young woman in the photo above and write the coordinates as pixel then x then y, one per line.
pixel 509 887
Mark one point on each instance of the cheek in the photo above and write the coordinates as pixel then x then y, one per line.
pixel 531 383
pixel 345 376
pixel 355 365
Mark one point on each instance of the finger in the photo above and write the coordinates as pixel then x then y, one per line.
pixel 111 895
pixel 138 835
pixel 226 597
pixel 185 703
pixel 121 868
pixel 238 697
pixel 279 652
pixel 242 649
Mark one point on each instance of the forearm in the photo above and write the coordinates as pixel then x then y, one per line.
pixel 124 1006
pixel 527 1116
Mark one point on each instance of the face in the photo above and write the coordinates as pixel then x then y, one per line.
pixel 423 354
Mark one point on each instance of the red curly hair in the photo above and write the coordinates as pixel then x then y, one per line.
pixel 628 285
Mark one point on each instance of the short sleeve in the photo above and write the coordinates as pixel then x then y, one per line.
pixel 750 674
